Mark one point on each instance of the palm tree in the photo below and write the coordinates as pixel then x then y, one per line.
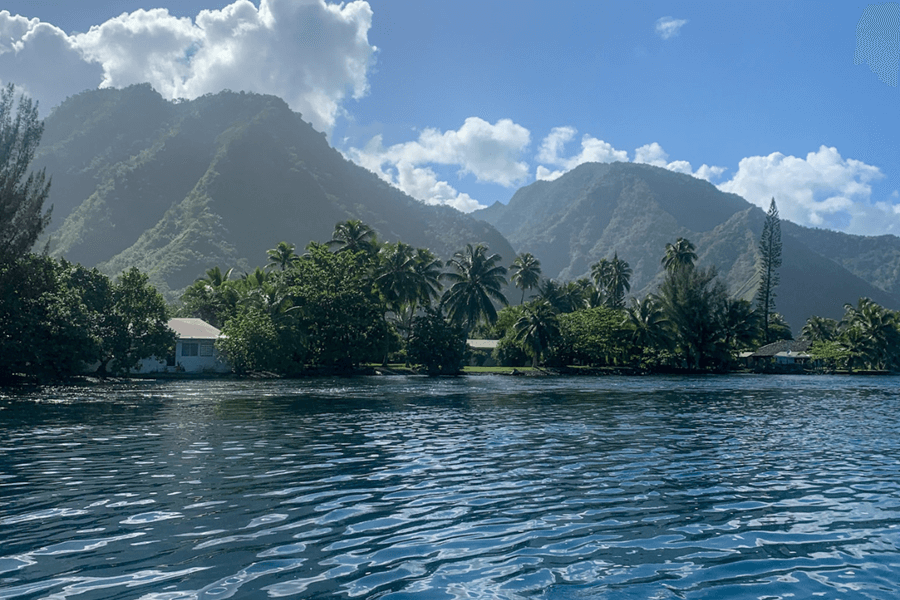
pixel 679 255
pixel 619 281
pixel 395 275
pixel 878 335
pixel 527 272
pixel 600 273
pixel 537 328
pixel 270 297
pixel 407 278
pixel 428 274
pixel 282 256
pixel 819 329
pixel 555 295
pixel 649 325
pixel 215 278
pixel 574 294
pixel 857 347
pixel 613 277
pixel 255 279
pixel 353 236
pixel 740 325
pixel 591 295
pixel 211 298
pixel 478 280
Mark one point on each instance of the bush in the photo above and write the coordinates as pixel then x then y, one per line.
pixel 436 344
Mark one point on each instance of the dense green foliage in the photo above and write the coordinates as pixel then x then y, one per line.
pixel 436 344
pixel 867 337
pixel 690 323
pixel 340 306
pixel 592 336
pixel 60 320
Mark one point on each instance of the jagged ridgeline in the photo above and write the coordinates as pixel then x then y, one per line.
pixel 176 188
pixel 633 209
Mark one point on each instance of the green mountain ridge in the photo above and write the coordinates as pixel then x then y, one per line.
pixel 631 209
pixel 175 188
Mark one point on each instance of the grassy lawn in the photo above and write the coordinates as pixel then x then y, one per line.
pixel 401 369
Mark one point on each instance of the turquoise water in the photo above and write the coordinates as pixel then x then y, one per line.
pixel 480 487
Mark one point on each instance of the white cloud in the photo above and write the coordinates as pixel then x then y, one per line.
pixel 822 190
pixel 592 150
pixel 489 152
pixel 42 60
pixel 312 54
pixel 667 27
pixel 595 150
pixel 709 173
pixel 545 174
pixel 653 154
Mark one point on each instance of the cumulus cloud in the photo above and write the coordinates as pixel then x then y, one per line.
pixel 822 190
pixel 592 150
pixel 653 154
pixel 491 153
pixel 312 54
pixel 668 27
pixel 42 60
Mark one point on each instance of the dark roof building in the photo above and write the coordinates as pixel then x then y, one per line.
pixel 783 346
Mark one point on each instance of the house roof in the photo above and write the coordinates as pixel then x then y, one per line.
pixel 790 354
pixel 194 329
pixel 483 344
pixel 783 346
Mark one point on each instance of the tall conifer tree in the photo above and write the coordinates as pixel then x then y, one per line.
pixel 769 263
pixel 22 194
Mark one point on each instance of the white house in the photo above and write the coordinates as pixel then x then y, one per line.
pixel 195 350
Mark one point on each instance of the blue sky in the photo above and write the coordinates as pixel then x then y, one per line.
pixel 463 102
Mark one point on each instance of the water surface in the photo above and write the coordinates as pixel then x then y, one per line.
pixel 479 487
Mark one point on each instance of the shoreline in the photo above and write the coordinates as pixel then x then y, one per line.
pixel 395 371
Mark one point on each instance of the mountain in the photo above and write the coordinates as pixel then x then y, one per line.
pixel 597 209
pixel 176 188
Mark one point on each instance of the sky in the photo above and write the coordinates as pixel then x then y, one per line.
pixel 464 102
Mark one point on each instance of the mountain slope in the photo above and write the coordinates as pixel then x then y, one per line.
pixel 634 210
pixel 175 188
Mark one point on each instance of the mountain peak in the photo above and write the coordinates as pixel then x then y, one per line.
pixel 597 210
pixel 177 187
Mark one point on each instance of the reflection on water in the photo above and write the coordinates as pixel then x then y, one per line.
pixel 481 487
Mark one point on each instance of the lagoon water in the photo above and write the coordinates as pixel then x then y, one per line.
pixel 480 487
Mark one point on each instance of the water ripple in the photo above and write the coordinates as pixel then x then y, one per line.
pixel 738 487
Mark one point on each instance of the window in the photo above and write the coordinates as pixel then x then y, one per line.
pixel 206 349
pixel 189 348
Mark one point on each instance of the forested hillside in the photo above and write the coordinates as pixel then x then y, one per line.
pixel 597 210
pixel 174 188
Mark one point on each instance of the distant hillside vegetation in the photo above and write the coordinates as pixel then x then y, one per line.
pixel 596 210
pixel 175 188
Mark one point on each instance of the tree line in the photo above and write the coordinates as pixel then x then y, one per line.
pixel 354 300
